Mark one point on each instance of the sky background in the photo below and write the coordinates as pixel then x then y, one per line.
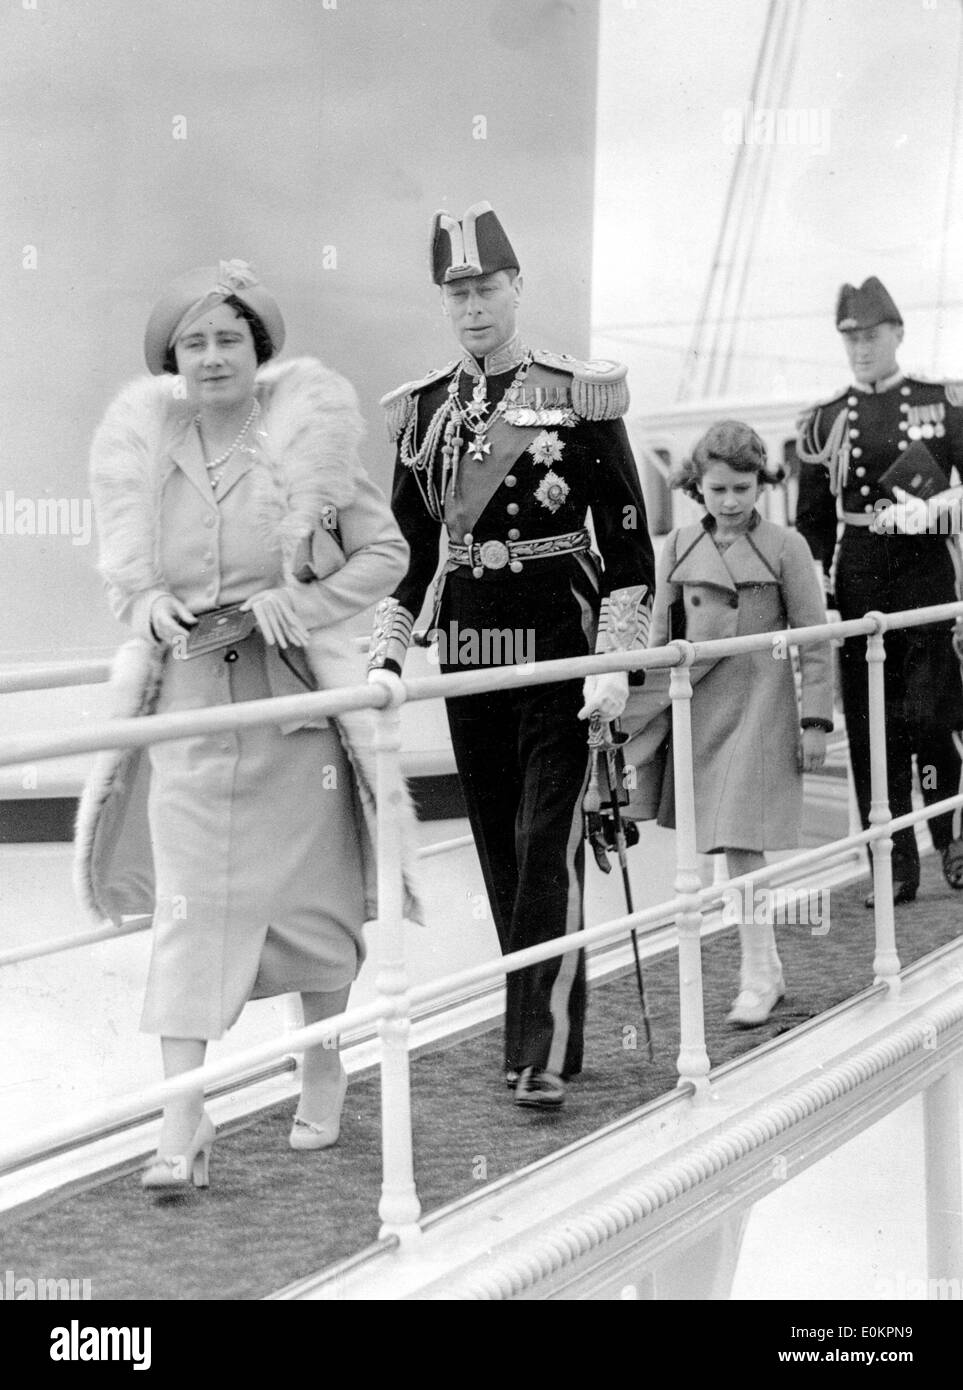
pixel 317 124
pixel 869 199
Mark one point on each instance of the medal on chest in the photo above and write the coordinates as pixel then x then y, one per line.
pixel 926 421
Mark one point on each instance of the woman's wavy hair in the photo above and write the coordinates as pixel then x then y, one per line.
pixel 730 442
pixel 263 347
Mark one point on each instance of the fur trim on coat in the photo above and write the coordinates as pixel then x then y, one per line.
pixel 311 431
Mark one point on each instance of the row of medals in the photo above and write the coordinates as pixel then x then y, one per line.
pixel 549 407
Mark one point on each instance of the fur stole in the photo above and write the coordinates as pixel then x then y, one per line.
pixel 307 461
pixel 309 433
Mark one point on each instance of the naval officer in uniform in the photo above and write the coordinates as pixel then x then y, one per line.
pixel 845 447
pixel 507 449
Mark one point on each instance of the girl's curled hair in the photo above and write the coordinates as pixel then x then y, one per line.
pixel 729 442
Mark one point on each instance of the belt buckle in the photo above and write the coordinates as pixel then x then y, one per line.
pixel 493 555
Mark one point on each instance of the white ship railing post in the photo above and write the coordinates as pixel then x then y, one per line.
pixel 693 1060
pixel 944 1182
pixel 399 1207
pixel 886 960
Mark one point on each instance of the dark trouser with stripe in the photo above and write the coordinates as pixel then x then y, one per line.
pixel 924 702
pixel 522 758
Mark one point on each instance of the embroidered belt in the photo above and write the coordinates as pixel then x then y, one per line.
pixel 495 555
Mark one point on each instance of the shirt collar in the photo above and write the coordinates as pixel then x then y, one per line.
pixel 504 359
pixel 876 388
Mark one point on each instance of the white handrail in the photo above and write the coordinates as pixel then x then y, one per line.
pixel 399 1205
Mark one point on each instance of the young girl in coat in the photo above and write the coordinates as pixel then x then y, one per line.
pixel 733 574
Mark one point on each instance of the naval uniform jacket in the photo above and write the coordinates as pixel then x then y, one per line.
pixel 538 483
pixel 845 447
pixel 558 452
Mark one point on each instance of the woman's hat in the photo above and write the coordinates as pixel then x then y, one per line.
pixel 199 291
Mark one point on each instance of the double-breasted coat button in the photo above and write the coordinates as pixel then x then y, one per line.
pixel 696 600
pixel 513 535
pixel 510 480
pixel 512 509
pixel 864 491
pixel 210 520
pixel 860 472
pixel 857 452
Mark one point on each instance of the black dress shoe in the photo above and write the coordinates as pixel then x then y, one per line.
pixel 952 856
pixel 541 1090
pixel 904 891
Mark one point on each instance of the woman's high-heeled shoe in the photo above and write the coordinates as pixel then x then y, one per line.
pixel 192 1166
pixel 308 1134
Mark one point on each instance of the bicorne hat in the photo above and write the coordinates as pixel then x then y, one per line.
pixel 865 307
pixel 199 291
pixel 477 245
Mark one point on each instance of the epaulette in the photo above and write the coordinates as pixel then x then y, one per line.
pixel 599 388
pixel 399 404
pixel 832 400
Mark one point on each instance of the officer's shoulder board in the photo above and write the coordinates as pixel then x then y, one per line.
pixel 952 390
pixel 599 388
pixel 809 434
pixel 808 415
pixel 399 404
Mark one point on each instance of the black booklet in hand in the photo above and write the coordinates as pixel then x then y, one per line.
pixel 221 627
pixel 916 472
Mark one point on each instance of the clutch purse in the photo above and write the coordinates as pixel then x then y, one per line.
pixel 222 627
pixel 916 472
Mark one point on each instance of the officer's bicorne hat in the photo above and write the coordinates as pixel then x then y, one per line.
pixel 865 307
pixel 477 245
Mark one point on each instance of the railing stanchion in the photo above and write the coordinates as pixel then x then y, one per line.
pixel 693 1060
pixel 941 1150
pixel 399 1207
pixel 886 960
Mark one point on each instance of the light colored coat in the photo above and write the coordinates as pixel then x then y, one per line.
pixel 745 713
pixel 155 509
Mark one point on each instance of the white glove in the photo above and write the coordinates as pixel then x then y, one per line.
pixel 392 683
pixel 605 695
pixel 170 619
pixel 277 618
pixel 907 516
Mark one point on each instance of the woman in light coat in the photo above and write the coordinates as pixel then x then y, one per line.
pixel 226 481
pixel 731 575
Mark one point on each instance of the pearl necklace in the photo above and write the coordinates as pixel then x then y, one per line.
pixel 216 466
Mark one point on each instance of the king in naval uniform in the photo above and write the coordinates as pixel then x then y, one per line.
pixel 506 451
pixel 845 512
